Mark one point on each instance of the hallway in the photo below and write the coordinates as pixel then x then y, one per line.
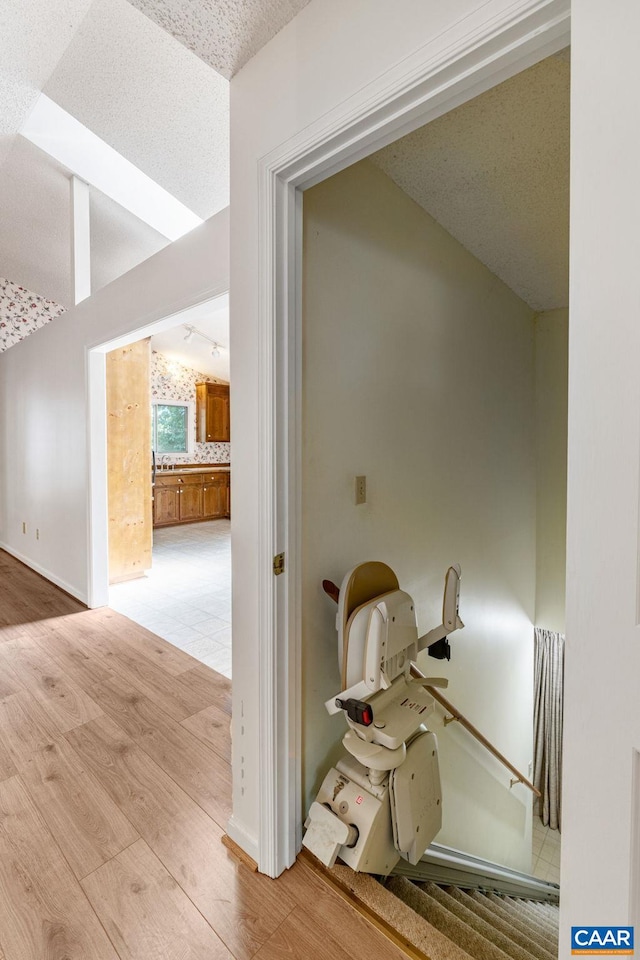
pixel 115 788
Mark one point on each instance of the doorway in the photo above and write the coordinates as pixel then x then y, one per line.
pixel 176 468
pixel 289 170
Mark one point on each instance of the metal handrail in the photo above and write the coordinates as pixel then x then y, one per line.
pixel 456 715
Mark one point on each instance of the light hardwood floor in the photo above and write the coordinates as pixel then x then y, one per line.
pixel 115 788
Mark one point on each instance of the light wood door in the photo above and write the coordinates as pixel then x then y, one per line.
pixel 129 461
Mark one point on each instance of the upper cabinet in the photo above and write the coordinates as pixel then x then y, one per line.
pixel 213 422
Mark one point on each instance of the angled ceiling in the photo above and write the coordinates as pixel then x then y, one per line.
pixel 223 34
pixel 144 94
pixel 495 174
pixel 148 77
pixel 211 319
pixel 150 99
pixel 39 32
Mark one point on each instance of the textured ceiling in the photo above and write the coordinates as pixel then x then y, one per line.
pixel 495 174
pixel 34 35
pixel 138 89
pixel 35 240
pixel 151 100
pixel 223 33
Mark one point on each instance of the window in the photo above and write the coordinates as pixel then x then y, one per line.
pixel 172 424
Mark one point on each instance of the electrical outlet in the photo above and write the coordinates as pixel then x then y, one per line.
pixel 361 490
pixel 24 527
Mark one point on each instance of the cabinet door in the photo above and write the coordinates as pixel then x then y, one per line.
pixel 191 502
pixel 217 418
pixel 215 497
pixel 166 502
pixel 213 423
pixel 227 495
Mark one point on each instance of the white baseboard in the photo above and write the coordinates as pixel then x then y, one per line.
pixel 244 840
pixel 47 574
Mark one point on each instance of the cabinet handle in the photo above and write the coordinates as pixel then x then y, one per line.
pixel 205 489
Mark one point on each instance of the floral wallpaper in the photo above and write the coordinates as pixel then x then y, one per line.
pixel 22 312
pixel 170 380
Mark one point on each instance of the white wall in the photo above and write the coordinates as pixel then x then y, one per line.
pixel 602 719
pixel 44 468
pixel 551 353
pixel 418 371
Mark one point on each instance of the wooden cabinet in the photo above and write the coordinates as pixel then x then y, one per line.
pixel 213 422
pixel 166 504
pixel 185 498
pixel 216 496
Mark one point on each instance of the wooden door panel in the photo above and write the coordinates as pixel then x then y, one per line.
pixel 166 505
pixel 191 502
pixel 128 459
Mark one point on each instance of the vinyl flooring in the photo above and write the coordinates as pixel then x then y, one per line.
pixel 186 595
pixel 115 788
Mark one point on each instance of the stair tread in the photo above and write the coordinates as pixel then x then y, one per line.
pixel 527 939
pixel 547 919
pixel 500 906
pixel 448 923
pixel 400 916
pixel 484 928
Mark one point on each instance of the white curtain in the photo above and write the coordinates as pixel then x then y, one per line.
pixel 547 724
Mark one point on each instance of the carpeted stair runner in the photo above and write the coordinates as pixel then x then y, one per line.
pixel 514 930
pixel 511 912
pixel 541 913
pixel 485 926
pixel 525 912
pixel 448 923
pixel 399 915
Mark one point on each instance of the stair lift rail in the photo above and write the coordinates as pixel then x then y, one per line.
pixel 518 777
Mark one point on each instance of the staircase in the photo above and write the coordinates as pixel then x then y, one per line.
pixel 485 926
pixel 443 921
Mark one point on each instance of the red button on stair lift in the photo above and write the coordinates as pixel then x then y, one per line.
pixel 357 710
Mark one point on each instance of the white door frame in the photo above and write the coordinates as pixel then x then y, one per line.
pixel 155 321
pixel 474 55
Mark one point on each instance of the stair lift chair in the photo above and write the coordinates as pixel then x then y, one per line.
pixel 382 801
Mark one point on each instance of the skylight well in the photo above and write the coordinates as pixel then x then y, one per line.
pixel 69 142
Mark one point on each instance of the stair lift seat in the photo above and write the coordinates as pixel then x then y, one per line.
pixel 383 800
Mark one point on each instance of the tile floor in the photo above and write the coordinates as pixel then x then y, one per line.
pixel 186 597
pixel 546 852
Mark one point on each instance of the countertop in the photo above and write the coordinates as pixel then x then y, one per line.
pixel 195 468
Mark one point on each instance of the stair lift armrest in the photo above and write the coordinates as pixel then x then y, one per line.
pixel 450 618
pixel 441 682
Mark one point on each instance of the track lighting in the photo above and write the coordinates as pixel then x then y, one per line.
pixel 191 330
